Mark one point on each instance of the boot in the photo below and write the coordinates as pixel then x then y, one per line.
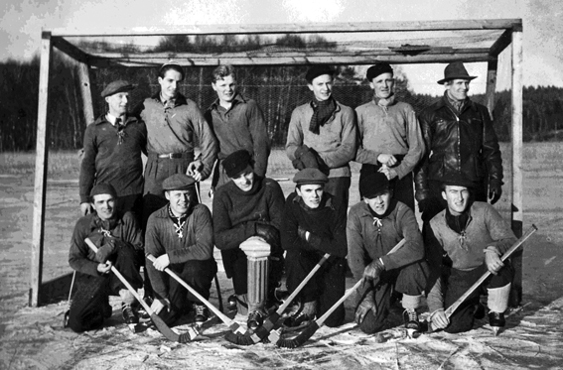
pixel 307 313
pixel 128 314
pixel 201 313
pixel 496 319
pixel 255 319
pixel 410 317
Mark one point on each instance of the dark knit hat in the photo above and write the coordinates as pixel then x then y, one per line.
pixel 318 70
pixel 457 179
pixel 178 181
pixel 116 87
pixel 103 188
pixel 378 69
pixel 236 162
pixel 373 184
pixel 310 176
pixel 455 70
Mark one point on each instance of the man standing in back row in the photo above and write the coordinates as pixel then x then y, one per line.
pixel 323 134
pixel 173 125
pixel 390 136
pixel 238 124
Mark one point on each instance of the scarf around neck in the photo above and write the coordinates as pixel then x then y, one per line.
pixel 322 111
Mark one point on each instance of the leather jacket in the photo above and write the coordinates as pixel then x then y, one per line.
pixel 458 143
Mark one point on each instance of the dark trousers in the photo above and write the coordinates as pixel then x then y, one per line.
pixel 91 292
pixel 458 282
pixel 198 275
pixel 410 280
pixel 402 188
pixel 239 267
pixel 339 187
pixel 327 285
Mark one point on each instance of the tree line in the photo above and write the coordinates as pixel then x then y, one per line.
pixel 278 90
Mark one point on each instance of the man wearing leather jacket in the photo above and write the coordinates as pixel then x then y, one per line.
pixel 460 139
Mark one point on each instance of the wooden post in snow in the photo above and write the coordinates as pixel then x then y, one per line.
pixel 41 159
pixel 491 86
pixel 517 153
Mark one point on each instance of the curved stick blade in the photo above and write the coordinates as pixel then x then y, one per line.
pixel 299 340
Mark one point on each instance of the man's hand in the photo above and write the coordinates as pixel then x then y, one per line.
pixel 374 270
pixel 495 191
pixel 158 304
pixel 439 319
pixel 390 173
pixel 161 262
pixel 194 169
pixel 493 261
pixel 303 234
pixel 85 208
pixel 387 159
pixel 269 233
pixel 104 268
pixel 367 305
pixel 105 252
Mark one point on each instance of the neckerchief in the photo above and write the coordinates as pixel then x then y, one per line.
pixel 457 105
pixel 377 218
pixel 384 103
pixel 459 224
pixel 179 222
pixel 120 131
pixel 322 111
pixel 105 226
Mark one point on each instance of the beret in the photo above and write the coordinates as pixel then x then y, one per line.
pixel 103 188
pixel 373 184
pixel 310 176
pixel 318 70
pixel 236 162
pixel 378 69
pixel 178 181
pixel 116 87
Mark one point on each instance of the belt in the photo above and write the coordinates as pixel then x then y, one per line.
pixel 171 155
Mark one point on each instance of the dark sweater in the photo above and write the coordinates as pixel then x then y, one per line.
pixel 236 213
pixel 326 227
pixel 105 161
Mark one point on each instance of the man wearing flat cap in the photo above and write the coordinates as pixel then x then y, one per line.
pixel 311 227
pixel 120 244
pixel 375 225
pixel 112 151
pixel 245 207
pixel 238 123
pixel 390 138
pixel 471 237
pixel 322 134
pixel 174 125
pixel 180 237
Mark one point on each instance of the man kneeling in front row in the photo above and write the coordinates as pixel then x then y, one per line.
pixel 180 236
pixel 119 241
pixel 375 225
pixel 471 237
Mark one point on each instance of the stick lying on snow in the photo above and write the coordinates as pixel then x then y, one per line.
pixel 454 306
pixel 315 325
pixel 158 322
pixel 233 325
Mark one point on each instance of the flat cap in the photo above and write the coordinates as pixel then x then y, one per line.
pixel 178 181
pixel 318 70
pixel 373 184
pixel 310 176
pixel 116 87
pixel 236 162
pixel 103 188
pixel 378 69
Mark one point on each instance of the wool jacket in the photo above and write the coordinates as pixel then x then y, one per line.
pixel 458 143
pixel 241 127
pixel 389 129
pixel 106 161
pixel 370 239
pixel 161 238
pixel 336 142
pixel 236 213
pixel 178 129
pixel 82 258
pixel 485 228
pixel 326 226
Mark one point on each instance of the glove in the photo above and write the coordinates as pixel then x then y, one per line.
pixel 298 164
pixel 424 205
pixel 269 233
pixel 495 191
pixel 367 305
pixel 302 233
pixel 307 156
pixel 104 252
pixel 374 270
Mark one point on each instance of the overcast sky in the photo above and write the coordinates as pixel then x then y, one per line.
pixel 23 20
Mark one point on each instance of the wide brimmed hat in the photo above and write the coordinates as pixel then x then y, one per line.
pixel 457 179
pixel 455 70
